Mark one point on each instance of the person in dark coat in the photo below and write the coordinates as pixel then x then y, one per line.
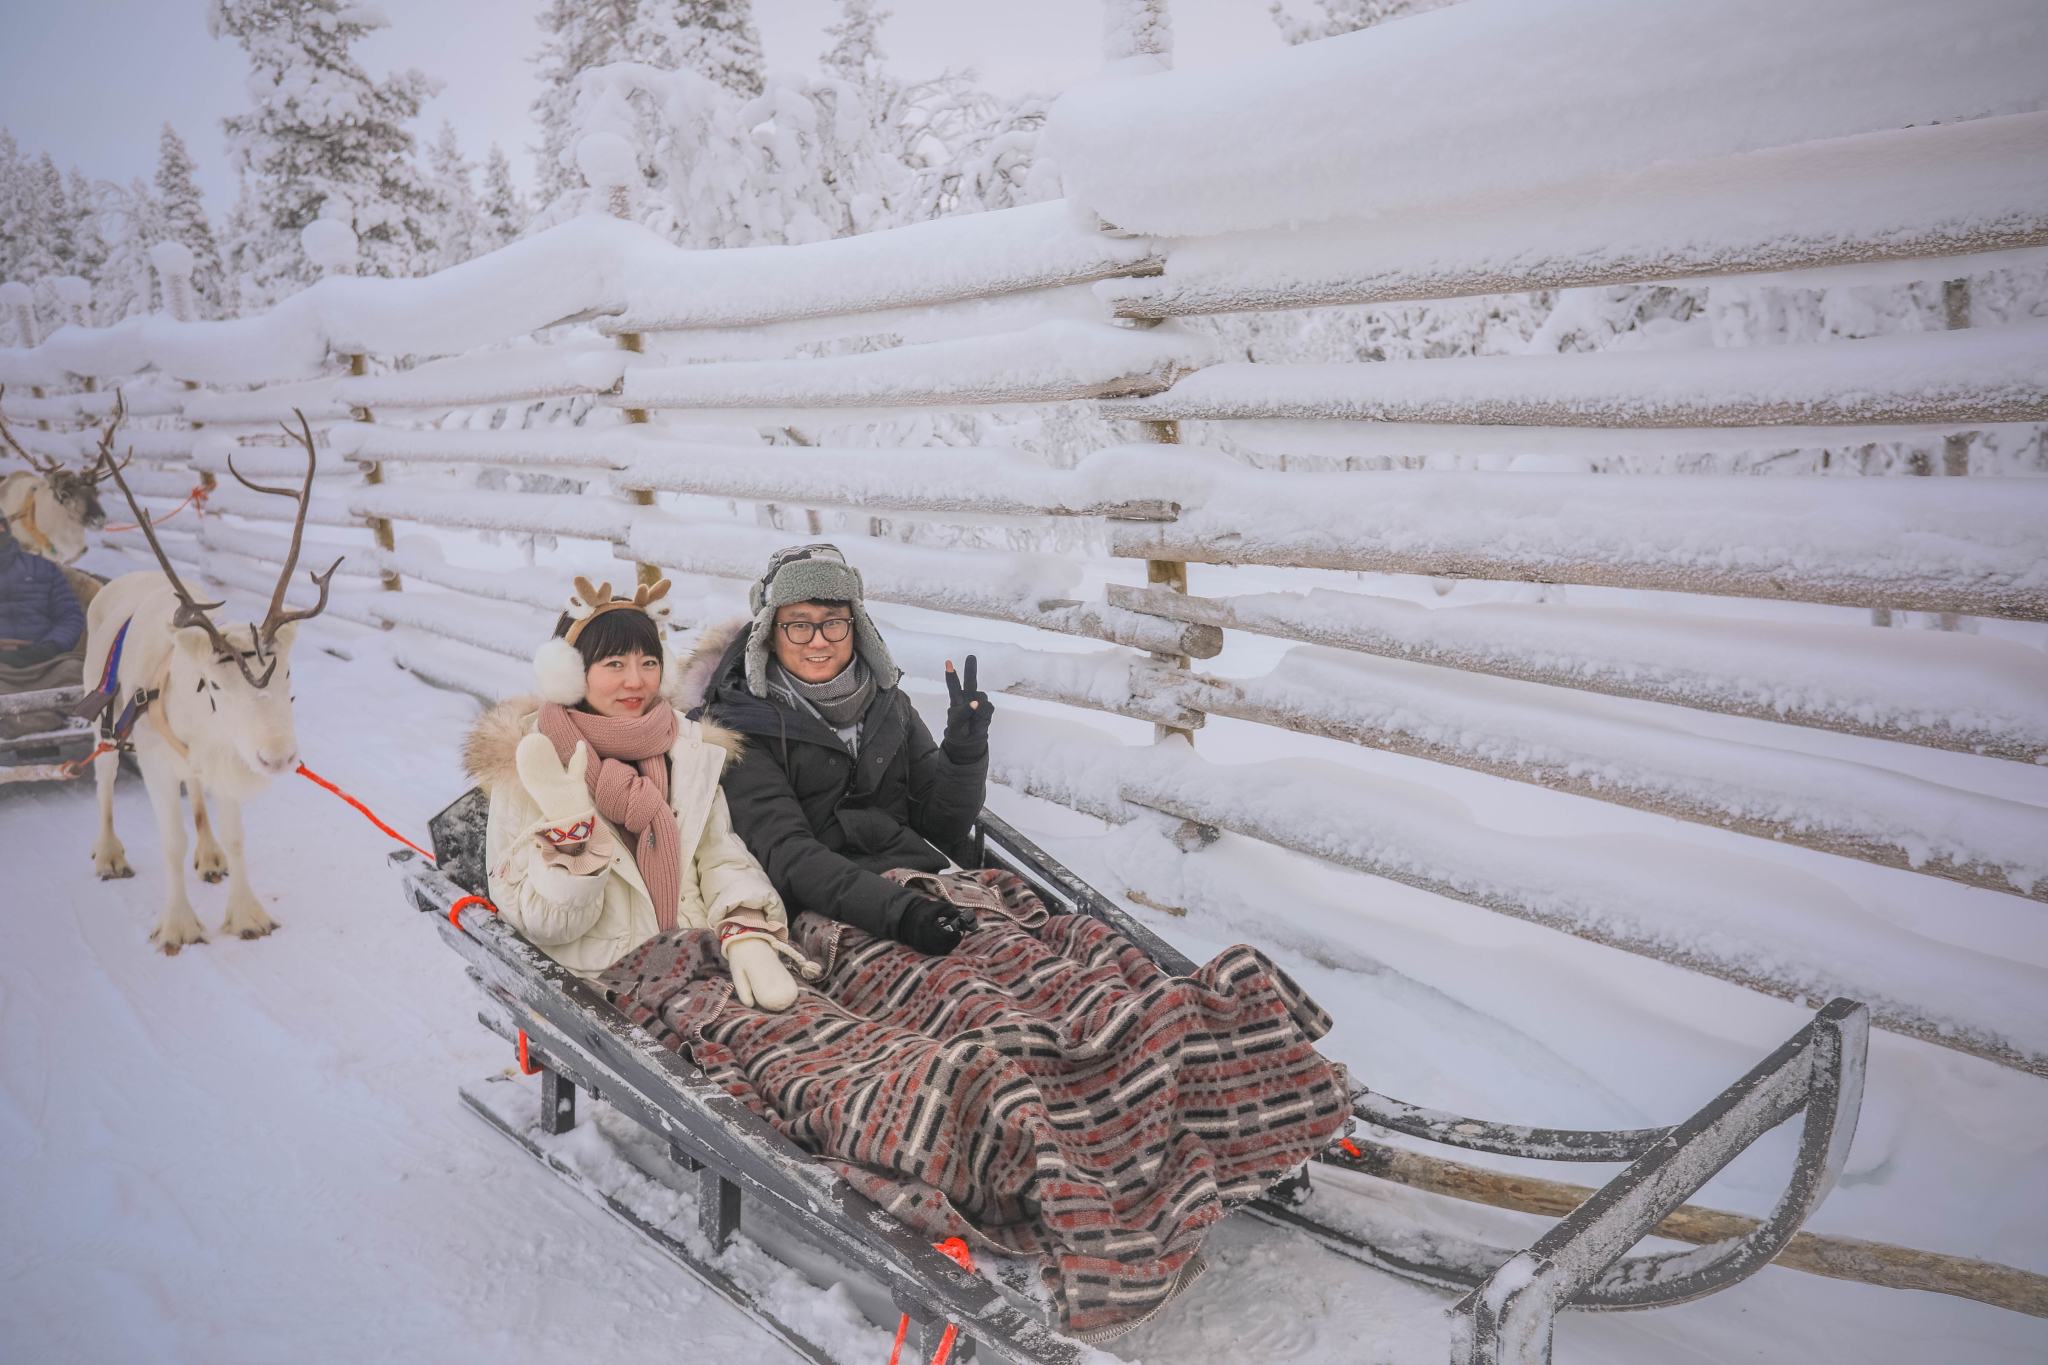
pixel 42 632
pixel 840 780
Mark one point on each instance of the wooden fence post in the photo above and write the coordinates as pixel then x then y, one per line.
pixel 646 574
pixel 358 365
pixel 1171 574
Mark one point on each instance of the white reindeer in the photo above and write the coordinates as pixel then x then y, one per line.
pixel 52 507
pixel 216 715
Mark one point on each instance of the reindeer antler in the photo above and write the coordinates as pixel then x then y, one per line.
pixel 95 473
pixel 44 466
pixel 277 617
pixel 191 612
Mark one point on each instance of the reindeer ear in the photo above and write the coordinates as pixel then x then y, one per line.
pixel 194 642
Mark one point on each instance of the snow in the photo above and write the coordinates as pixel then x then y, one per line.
pixel 1951 690
pixel 594 265
pixel 1046 363
pixel 260 1143
pixel 1912 192
pixel 1984 374
pixel 1731 916
pixel 1494 95
pixel 1627 752
pixel 1976 543
pixel 1026 587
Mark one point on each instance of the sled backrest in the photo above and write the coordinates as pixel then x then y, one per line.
pixel 458 834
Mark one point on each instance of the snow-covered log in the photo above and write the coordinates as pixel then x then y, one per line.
pixel 597 266
pixel 326 506
pixel 1761 925
pixel 318 399
pixel 1973 546
pixel 1099 680
pixel 494 377
pixel 1943 690
pixel 1052 362
pixel 591 518
pixel 541 589
pixel 1986 374
pixel 972 256
pixel 1030 589
pixel 585 447
pixel 1592 747
pixel 1948 190
pixel 1495 96
pixel 927 479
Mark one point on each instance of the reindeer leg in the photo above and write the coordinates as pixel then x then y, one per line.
pixel 207 859
pixel 177 926
pixel 109 859
pixel 246 916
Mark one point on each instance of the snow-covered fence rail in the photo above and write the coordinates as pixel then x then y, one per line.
pixel 1972 546
pixel 596 386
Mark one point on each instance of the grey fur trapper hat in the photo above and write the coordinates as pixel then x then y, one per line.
pixel 812 573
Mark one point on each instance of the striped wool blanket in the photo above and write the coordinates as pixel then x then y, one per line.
pixel 1044 1091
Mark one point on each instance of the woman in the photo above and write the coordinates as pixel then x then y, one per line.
pixel 607 824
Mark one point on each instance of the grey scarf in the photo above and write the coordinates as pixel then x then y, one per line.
pixel 840 702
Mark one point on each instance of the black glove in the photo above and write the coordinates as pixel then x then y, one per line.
pixel 967 717
pixel 29 655
pixel 934 927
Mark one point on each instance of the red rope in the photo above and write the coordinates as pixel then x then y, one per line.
pixel 368 814
pixel 525 1065
pixel 196 498
pixel 455 910
pixel 954 1247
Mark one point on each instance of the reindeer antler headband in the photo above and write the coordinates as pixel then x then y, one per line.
pixel 592 601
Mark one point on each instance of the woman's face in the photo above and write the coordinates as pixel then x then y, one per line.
pixel 817 659
pixel 623 685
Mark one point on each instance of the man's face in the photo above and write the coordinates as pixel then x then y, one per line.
pixel 816 659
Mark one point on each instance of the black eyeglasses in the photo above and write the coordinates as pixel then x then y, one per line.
pixel 834 630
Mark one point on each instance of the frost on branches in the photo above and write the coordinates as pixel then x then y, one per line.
pixel 321 130
pixel 1345 16
pixel 715 39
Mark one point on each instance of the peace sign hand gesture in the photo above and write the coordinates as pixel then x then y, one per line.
pixel 967 716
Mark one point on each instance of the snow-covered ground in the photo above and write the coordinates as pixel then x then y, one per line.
pixel 256 1151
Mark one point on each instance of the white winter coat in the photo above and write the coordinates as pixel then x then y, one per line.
pixel 588 922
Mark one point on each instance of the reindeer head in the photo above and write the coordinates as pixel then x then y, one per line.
pixel 67 504
pixel 244 672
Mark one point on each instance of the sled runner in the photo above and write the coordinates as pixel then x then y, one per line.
pixel 44 756
pixel 674 1129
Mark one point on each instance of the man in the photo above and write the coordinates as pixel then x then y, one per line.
pixel 41 631
pixel 840 780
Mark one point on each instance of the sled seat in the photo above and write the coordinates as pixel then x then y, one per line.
pixel 1511 1296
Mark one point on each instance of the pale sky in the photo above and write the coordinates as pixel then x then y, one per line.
pixel 93 81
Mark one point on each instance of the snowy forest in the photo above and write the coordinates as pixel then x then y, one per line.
pixel 1374 698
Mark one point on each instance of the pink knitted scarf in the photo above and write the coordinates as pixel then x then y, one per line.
pixel 628 778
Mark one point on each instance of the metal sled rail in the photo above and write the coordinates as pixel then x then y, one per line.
pixel 1511 1296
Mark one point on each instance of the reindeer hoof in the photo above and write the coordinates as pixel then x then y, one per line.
pixel 121 873
pixel 171 949
pixel 212 877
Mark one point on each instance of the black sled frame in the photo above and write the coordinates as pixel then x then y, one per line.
pixel 1511 1297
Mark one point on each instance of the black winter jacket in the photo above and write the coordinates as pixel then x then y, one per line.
pixel 37 605
pixel 826 824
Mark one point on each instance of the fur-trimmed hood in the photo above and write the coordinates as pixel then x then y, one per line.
pixel 488 753
pixel 700 668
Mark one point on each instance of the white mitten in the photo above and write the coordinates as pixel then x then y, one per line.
pixel 758 977
pixel 561 793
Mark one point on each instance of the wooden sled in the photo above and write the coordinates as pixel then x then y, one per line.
pixel 704 1139
pixel 45 757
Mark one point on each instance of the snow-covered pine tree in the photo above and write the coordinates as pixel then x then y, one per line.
pixel 184 219
pixel 321 129
pixel 504 209
pixel 459 232
pixel 129 220
pixel 714 38
pixel 856 54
